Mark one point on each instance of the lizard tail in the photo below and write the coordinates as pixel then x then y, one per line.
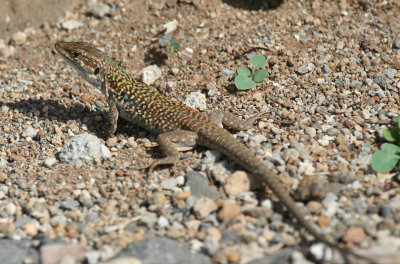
pixel 219 139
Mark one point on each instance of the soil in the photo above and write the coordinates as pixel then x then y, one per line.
pixel 332 87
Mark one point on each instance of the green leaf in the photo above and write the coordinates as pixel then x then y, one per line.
pixel 258 61
pixel 384 161
pixel 397 122
pixel 175 45
pixel 163 42
pixel 259 76
pixel 391 134
pixel 392 148
pixel 243 71
pixel 167 36
pixel 243 82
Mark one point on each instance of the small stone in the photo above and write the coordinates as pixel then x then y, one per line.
pixel 228 73
pixel 124 260
pixel 99 10
pixel 354 235
pixel 396 43
pixel 149 219
pixel 54 253
pixel 314 206
pixel 196 100
pixel 57 220
pixel 229 212
pixel 71 24
pixel 324 221
pixel 203 207
pixel 71 204
pixel 10 209
pixel 131 143
pixel 214 233
pixel 162 221
pixel 183 195
pixel 312 132
pixel 237 183
pixel 49 162
pixel 151 74
pixel 111 141
pixel 174 71
pixel 200 187
pixel 29 131
pixel 18 38
pixel 86 199
pixel 320 252
pixel 92 257
pixel 305 68
pixel 3 177
pixel 170 26
pixel 84 148
pixel 30 229
pixel 156 198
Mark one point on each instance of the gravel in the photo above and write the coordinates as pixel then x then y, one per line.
pixel 333 86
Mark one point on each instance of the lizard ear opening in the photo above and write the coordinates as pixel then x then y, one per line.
pixel 96 71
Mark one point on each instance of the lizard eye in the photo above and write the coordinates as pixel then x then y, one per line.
pixel 75 54
pixel 96 71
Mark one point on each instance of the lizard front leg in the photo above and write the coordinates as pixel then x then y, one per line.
pixel 112 115
pixel 111 118
pixel 170 144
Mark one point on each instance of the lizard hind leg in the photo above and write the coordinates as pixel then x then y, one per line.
pixel 170 144
pixel 231 121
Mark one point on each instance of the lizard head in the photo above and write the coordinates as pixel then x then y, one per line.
pixel 86 59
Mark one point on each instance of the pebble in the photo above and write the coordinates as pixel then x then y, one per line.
pixel 228 73
pixel 162 221
pixel 18 38
pixel 162 250
pixel 200 187
pixel 172 183
pixel 71 24
pixel 54 253
pixel 84 148
pixel 156 198
pixel 149 218
pixel 99 10
pixel 10 209
pixel 229 212
pixel 237 183
pixel 150 74
pixel 196 100
pixel 321 252
pixel 170 26
pixel 203 207
pixel 354 235
pixel 124 260
pixel 396 43
pixel 92 256
pixel 29 131
pixel 49 162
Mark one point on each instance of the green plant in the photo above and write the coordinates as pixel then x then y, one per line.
pixel 246 78
pixel 385 159
pixel 171 44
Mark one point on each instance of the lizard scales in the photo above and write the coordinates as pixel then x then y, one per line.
pixel 157 113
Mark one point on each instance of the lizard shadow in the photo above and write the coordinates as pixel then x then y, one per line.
pixel 155 56
pixel 54 110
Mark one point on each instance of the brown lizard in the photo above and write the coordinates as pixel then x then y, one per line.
pixel 178 126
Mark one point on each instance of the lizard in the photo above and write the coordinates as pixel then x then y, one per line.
pixel 179 127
